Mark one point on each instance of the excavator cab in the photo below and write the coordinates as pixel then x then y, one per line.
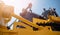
pixel 54 26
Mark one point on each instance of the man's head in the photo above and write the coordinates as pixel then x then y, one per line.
pixel 30 5
pixel 44 9
pixel 54 9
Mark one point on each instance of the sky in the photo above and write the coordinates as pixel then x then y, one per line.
pixel 37 7
pixel 46 4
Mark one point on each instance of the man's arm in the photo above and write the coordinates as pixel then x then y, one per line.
pixel 56 14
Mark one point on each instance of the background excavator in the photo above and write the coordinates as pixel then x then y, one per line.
pixel 37 26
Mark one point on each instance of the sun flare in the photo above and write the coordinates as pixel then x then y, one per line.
pixel 18 4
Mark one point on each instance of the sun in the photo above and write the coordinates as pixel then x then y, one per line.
pixel 18 5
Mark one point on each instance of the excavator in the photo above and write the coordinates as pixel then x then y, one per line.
pixel 25 27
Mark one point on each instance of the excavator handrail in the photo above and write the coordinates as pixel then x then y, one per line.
pixel 25 20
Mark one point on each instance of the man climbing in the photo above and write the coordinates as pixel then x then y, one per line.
pixel 26 13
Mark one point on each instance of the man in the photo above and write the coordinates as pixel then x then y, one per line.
pixel 50 11
pixel 53 12
pixel 45 13
pixel 29 7
pixel 26 13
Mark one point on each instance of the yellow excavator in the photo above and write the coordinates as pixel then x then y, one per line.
pixel 25 27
